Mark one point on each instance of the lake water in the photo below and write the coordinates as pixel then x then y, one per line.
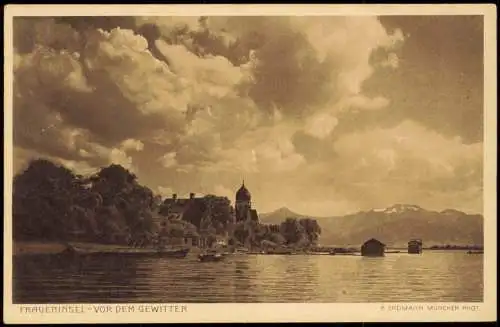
pixel 444 276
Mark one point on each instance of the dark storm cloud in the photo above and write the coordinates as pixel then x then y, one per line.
pixel 95 22
pixel 67 102
pixel 442 66
pixel 35 127
pixel 313 149
pixel 31 31
pixel 289 76
pixel 149 31
pixel 103 110
pixel 337 106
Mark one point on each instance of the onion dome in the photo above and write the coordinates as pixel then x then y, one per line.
pixel 243 194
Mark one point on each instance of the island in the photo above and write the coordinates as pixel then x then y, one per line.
pixel 53 206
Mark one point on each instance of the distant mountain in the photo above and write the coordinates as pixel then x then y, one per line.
pixel 399 208
pixel 279 215
pixel 394 226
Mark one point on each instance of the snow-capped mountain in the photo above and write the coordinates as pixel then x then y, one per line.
pixel 399 208
pixel 394 225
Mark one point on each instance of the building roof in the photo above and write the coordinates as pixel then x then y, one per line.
pixel 375 241
pixel 179 206
pixel 178 202
pixel 243 194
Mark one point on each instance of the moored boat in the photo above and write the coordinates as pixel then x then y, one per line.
pixel 475 252
pixel 343 251
pixel 280 251
pixel 211 256
pixel 241 250
pixel 208 257
pixel 75 250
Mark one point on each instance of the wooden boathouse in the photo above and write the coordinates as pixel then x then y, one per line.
pixel 373 248
pixel 415 246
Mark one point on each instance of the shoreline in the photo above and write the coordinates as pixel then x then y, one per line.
pixel 40 247
pixel 45 247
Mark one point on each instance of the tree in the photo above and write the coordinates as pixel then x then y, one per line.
pixel 292 230
pixel 194 212
pixel 113 227
pixel 221 211
pixel 311 228
pixel 45 198
pixel 240 232
pixel 261 232
pixel 157 203
pixel 209 212
pixel 52 203
pixel 175 230
pixel 277 238
pixel 112 182
pixel 133 202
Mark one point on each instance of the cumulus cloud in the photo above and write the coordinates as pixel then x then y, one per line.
pixel 361 102
pixel 221 190
pixel 113 90
pixel 131 144
pixel 304 62
pixel 169 24
pixel 263 150
pixel 198 103
pixel 168 160
pixel 409 154
pixel 392 61
pixel 320 125
pixel 165 191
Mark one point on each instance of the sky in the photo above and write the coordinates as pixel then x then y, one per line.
pixel 323 115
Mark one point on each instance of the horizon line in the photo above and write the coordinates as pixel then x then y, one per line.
pixel 361 210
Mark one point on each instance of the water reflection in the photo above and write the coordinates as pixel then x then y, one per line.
pixel 243 281
pixel 54 279
pixel 296 276
pixel 433 276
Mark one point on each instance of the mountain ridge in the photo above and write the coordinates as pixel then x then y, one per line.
pixel 393 225
pixel 295 214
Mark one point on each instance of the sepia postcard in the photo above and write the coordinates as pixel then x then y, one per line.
pixel 249 163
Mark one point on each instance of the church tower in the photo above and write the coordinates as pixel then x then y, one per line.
pixel 243 203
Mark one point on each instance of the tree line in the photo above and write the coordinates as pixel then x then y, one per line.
pixel 52 203
pixel 292 231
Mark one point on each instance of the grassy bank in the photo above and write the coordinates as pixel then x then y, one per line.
pixel 21 248
pixel 40 247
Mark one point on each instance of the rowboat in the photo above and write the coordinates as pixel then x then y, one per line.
pixel 75 250
pixel 342 251
pixel 280 251
pixel 347 253
pixel 211 255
